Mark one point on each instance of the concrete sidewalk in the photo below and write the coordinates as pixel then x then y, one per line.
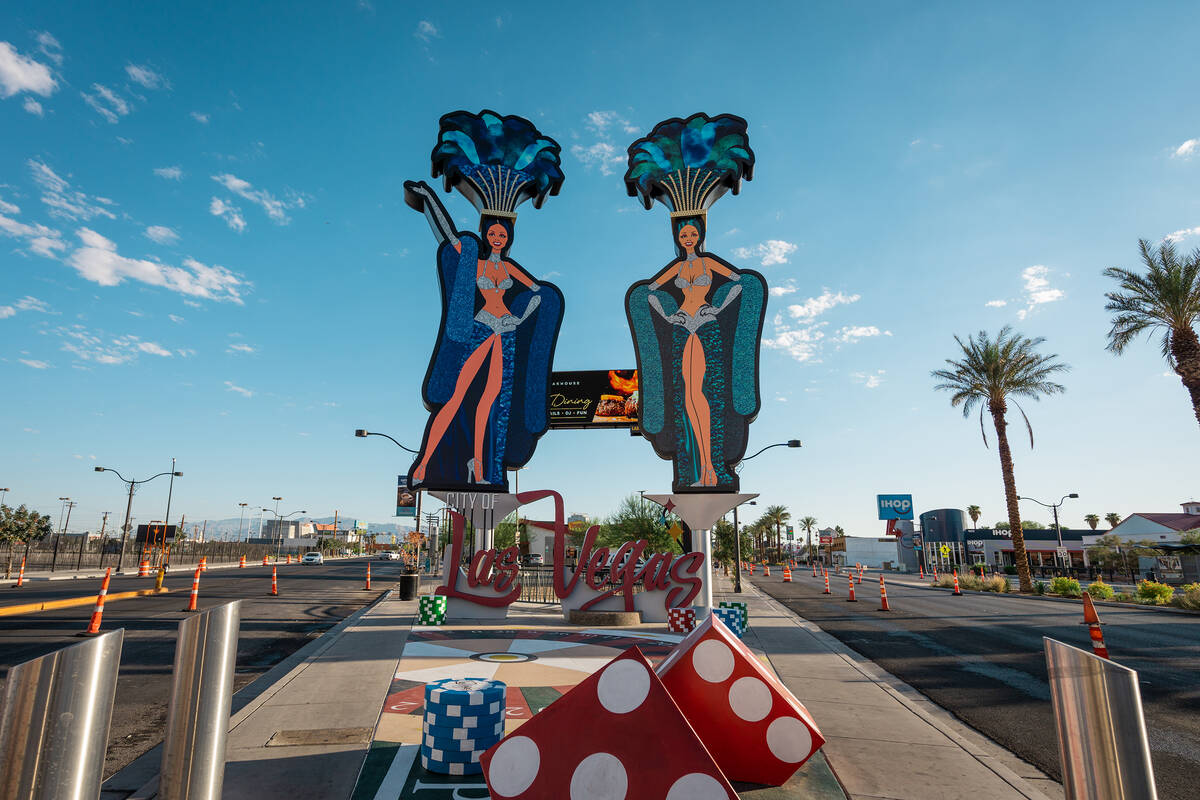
pixel 883 738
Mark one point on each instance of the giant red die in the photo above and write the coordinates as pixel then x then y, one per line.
pixel 681 620
pixel 754 727
pixel 616 736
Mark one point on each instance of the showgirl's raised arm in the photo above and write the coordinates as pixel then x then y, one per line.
pixel 419 196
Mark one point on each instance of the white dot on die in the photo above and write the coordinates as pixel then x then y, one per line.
pixel 788 739
pixel 600 776
pixel 514 765
pixel 623 686
pixel 713 660
pixel 697 786
pixel 750 699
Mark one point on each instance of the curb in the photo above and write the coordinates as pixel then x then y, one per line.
pixel 252 697
pixel 1054 599
pixel 973 743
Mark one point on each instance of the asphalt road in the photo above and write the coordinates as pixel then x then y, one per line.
pixel 981 657
pixel 312 599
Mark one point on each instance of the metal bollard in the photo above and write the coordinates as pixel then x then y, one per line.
pixel 193 760
pixel 55 723
pixel 1101 731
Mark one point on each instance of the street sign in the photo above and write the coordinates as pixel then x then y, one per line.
pixel 945 550
pixel 826 538
pixel 1064 555
pixel 895 506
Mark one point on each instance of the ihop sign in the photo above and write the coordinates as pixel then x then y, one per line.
pixel 895 506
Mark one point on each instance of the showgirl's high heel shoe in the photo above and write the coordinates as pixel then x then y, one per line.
pixel 471 474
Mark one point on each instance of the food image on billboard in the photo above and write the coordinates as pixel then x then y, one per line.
pixel 594 398
pixel 406 499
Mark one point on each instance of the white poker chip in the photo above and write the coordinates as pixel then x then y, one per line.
pixel 463 692
pixel 476 717
pixel 458 732
pixel 461 745
pixel 450 767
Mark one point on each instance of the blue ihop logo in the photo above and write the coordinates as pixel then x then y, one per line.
pixel 895 506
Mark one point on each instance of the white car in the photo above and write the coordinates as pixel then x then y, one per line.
pixel 389 555
pixel 313 558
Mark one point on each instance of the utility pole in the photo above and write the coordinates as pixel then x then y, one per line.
pixel 103 525
pixel 54 559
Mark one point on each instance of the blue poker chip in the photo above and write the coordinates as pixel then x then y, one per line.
pixel 489 717
pixel 459 732
pixel 463 692
pixel 461 745
pixel 450 767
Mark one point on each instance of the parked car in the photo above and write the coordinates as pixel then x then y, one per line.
pixel 313 558
pixel 534 560
pixel 389 555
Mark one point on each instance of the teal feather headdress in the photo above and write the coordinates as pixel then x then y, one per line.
pixel 496 162
pixel 687 164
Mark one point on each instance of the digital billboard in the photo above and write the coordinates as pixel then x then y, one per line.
pixel 594 398
pixel 154 533
pixel 406 499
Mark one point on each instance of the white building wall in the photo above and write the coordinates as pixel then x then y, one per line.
pixel 870 552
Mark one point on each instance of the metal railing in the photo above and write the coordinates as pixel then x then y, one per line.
pixel 1101 731
pixel 55 721
pixel 193 756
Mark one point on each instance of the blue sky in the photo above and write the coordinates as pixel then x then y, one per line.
pixel 205 254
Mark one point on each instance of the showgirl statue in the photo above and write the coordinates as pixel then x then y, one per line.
pixel 487 381
pixel 696 324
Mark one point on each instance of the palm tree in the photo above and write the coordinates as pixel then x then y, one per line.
pixel 807 524
pixel 1166 297
pixel 1092 520
pixel 974 513
pixel 990 373
pixel 1113 519
pixel 777 516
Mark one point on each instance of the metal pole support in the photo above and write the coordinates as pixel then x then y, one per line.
pixel 55 723
pixel 193 760
pixel 1101 731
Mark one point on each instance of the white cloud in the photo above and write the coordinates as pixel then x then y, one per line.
pixel 1187 149
pixel 854 333
pixel 602 121
pixel 32 106
pixel 1037 289
pixel 170 173
pixel 239 348
pixel 175 318
pixel 98 261
pixel 7 311
pixel 161 234
pixel 19 73
pixel 229 212
pixel 779 291
pixel 97 347
pixel 64 201
pixel 154 349
pixel 770 252
pixel 26 303
pixel 29 362
pixel 426 30
pixel 186 352
pixel 40 239
pixel 996 303
pixel 603 155
pixel 1181 234
pixel 815 306
pixel 201 118
pixel 50 47
pixel 232 387
pixel 106 102
pixel 802 344
pixel 47 246
pixel 868 379
pixel 9 208
pixel 274 207
pixel 146 77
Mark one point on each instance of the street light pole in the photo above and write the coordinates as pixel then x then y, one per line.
pixel 241 520
pixel 167 518
pixel 1057 529
pixel 69 505
pixel 129 505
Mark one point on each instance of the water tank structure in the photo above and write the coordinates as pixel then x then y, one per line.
pixel 943 525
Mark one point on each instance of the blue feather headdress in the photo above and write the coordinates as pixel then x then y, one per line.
pixel 687 164
pixel 496 162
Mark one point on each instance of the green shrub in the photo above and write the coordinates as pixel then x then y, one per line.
pixel 1010 570
pixel 1099 590
pixel 1190 599
pixel 1123 597
pixel 1067 587
pixel 1152 593
pixel 1039 587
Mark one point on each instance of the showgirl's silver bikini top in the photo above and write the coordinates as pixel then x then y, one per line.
pixel 484 282
pixel 703 279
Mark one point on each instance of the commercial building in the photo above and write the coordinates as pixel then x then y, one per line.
pixel 1159 528
pixel 948 543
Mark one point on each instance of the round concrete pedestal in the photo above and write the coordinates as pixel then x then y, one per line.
pixel 604 619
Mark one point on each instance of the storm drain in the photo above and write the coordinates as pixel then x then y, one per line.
pixel 320 736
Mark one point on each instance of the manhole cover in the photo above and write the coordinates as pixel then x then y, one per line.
pixel 320 736
pixel 504 658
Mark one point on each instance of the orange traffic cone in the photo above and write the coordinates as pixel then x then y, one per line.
pixel 766 570
pixel 957 591
pixel 826 573
pixel 264 561
pixel 274 582
pixel 289 559
pixel 191 606
pixel 367 588
pixel 860 572
pixel 883 603
pixel 1092 620
pixel 242 562
pixel 787 575
pixel 144 569
pixel 21 573
pixel 851 598
pixel 814 566
pixel 93 628
pixel 922 568
pixel 204 563
pixel 751 567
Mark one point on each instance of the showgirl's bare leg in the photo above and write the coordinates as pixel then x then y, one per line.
pixel 490 392
pixel 442 421
pixel 697 404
